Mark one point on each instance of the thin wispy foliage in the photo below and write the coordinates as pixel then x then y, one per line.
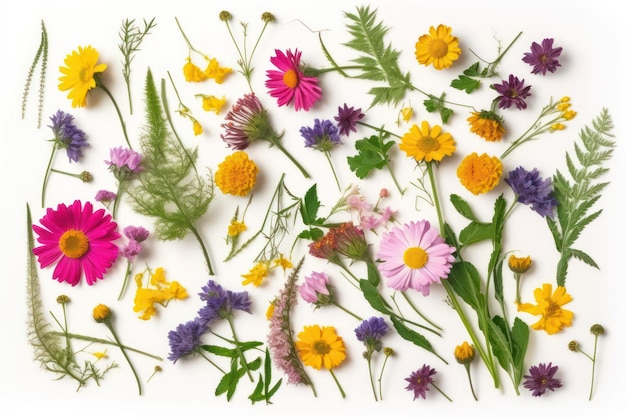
pixel 42 53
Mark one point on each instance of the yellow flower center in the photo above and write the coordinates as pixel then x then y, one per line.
pixel 290 78
pixel 74 244
pixel 415 257
pixel 552 308
pixel 428 144
pixel 438 48
pixel 85 74
pixel 321 347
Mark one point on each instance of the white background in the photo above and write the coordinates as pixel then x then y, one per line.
pixel 591 75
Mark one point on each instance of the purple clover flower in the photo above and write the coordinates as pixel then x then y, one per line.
pixel 543 57
pixel 532 190
pixel 542 378
pixel 371 331
pixel 185 339
pixel 420 380
pixel 125 163
pixel 512 92
pixel 322 136
pixel 67 136
pixel 347 118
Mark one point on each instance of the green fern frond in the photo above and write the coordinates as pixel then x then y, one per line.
pixel 169 188
pixel 576 198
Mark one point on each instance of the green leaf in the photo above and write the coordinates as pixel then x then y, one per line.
pixel 373 275
pixel 580 255
pixel 463 208
pixel 220 351
pixel 465 83
pixel 500 343
pixel 412 336
pixel 310 206
pixel 475 232
pixel 519 336
pixel 466 282
pixel 473 70
pixel 374 298
pixel 437 104
pixel 373 154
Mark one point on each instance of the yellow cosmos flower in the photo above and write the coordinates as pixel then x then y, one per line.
pixel 487 125
pixel 479 174
pixel 236 175
pixel 320 346
pixel 427 144
pixel 549 306
pixel 437 47
pixel 79 74
pixel 257 274
pixel 212 103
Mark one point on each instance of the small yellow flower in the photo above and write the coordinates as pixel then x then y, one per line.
pixel 101 313
pixel 270 310
pixel 557 126
pixel 427 144
pixel 236 175
pixel 193 73
pixel 479 174
pixel 549 306
pixel 320 346
pixel 569 114
pixel 257 274
pixel 100 355
pixel 197 128
pixel 406 113
pixel 158 291
pixel 464 353
pixel 283 262
pixel 437 47
pixel 79 74
pixel 519 265
pixel 213 70
pixel 212 103
pixel 487 125
pixel 235 228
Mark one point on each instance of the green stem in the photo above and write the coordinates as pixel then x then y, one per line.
pixel 593 366
pixel 118 198
pixel 369 369
pixel 242 358
pixel 279 145
pixel 211 362
pixel 518 298
pixel 336 304
pixel 343 394
pixel 440 391
pixel 205 253
pixel 47 175
pixel 380 377
pixel 433 185
pixel 332 168
pixel 105 342
pixel 110 326
pixel 166 109
pixel 117 109
pixel 469 376
pixel 126 275
pixel 69 174
pixel 406 297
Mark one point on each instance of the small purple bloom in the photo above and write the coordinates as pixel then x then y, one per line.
pixel 512 92
pixel 125 163
pixel 532 190
pixel 67 136
pixel 419 381
pixel 543 57
pixel 185 339
pixel 105 196
pixel 347 118
pixel 371 331
pixel 542 378
pixel 314 286
pixel 136 233
pixel 322 136
pixel 131 250
pixel 220 303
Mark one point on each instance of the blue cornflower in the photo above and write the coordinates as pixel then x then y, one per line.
pixel 322 136
pixel 220 303
pixel 185 339
pixel 67 136
pixel 532 190
pixel 371 331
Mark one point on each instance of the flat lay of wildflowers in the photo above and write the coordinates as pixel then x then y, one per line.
pixel 366 214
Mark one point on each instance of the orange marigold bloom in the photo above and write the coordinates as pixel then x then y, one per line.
pixel 236 175
pixel 479 174
pixel 487 125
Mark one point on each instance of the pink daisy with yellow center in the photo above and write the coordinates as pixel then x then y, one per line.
pixel 289 83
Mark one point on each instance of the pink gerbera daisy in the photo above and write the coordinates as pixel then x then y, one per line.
pixel 414 256
pixel 80 239
pixel 289 83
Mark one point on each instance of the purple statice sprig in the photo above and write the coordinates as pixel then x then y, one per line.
pixel 323 136
pixel 543 57
pixel 532 190
pixel 135 235
pixel 541 378
pixel 512 92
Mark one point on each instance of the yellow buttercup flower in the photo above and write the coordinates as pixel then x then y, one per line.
pixel 487 125
pixel 100 355
pixel 212 103
pixel 427 144
pixel 257 274
pixel 236 175
pixel 479 173
pixel 438 47
pixel 320 346
pixel 79 74
pixel 549 306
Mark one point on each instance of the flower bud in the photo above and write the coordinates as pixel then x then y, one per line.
pixel 464 353
pixel 267 17
pixel 62 299
pixel 388 351
pixel 519 265
pixel 86 176
pixel 597 330
pixel 573 346
pixel 101 313
pixel 225 16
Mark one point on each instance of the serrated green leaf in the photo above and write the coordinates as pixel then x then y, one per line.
pixel 373 154
pixel 582 256
pixel 310 206
pixel 465 83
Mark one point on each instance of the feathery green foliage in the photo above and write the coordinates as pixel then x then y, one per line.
pixel 131 37
pixel 575 199
pixel 169 189
pixel 42 53
pixel 378 62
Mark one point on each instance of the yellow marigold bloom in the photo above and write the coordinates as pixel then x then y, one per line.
pixel 549 306
pixel 193 74
pixel 213 70
pixel 79 74
pixel 283 262
pixel 487 125
pixel 464 353
pixel 427 144
pixel 320 346
pixel 479 174
pixel 197 128
pixel 212 103
pixel 257 274
pixel 235 227
pixel 519 265
pixel 236 175
pixel 101 313
pixel 438 47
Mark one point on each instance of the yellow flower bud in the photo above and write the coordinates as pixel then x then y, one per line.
pixel 464 353
pixel 101 313
pixel 519 265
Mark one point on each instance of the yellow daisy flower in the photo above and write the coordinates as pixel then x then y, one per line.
pixel 487 125
pixel 437 47
pixel 79 74
pixel 236 175
pixel 427 144
pixel 553 317
pixel 479 174
pixel 320 346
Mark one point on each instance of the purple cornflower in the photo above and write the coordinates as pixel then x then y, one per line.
pixel 419 381
pixel 246 122
pixel 136 233
pixel 185 339
pixel 532 190
pixel 542 378
pixel 220 303
pixel 512 92
pixel 322 136
pixel 347 118
pixel 543 57
pixel 125 163
pixel 370 332
pixel 315 289
pixel 67 136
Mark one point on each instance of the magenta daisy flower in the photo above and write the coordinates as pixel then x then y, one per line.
pixel 80 239
pixel 289 83
pixel 543 57
pixel 414 256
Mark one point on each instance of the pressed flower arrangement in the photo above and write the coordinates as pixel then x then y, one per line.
pixel 367 287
